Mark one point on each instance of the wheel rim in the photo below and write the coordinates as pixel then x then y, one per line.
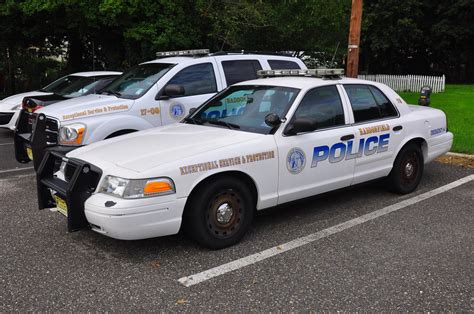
pixel 410 168
pixel 224 214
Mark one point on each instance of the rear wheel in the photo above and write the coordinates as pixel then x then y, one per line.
pixel 407 170
pixel 220 213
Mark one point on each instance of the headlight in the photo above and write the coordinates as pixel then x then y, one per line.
pixel 131 188
pixel 72 134
pixel 17 107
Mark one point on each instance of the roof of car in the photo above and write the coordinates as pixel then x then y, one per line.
pixel 176 60
pixel 305 82
pixel 96 73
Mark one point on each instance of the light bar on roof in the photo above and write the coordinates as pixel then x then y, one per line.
pixel 308 72
pixel 191 52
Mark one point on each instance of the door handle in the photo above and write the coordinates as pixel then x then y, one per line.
pixel 397 128
pixel 347 137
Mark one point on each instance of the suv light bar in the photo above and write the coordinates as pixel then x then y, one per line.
pixel 308 72
pixel 192 52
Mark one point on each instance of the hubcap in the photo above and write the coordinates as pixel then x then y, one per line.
pixel 409 169
pixel 224 213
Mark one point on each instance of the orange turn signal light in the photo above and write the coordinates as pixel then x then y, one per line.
pixel 154 187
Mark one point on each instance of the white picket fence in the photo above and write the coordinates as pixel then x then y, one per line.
pixel 408 83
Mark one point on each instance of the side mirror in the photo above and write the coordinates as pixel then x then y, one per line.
pixel 272 120
pixel 170 91
pixel 301 125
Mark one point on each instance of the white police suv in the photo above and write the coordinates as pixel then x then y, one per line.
pixel 72 85
pixel 257 144
pixel 151 94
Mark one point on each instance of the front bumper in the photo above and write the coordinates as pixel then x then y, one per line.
pixel 134 219
pixel 8 119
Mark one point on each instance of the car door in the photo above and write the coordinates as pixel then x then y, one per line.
pixel 315 162
pixel 378 131
pixel 199 82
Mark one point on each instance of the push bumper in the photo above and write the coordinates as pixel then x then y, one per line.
pixel 81 180
pixel 35 135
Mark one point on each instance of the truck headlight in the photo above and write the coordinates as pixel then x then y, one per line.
pixel 137 188
pixel 72 134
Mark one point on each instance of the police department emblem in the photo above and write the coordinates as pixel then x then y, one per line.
pixel 177 111
pixel 295 161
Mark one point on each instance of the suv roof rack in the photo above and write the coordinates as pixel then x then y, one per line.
pixel 245 52
pixel 320 73
pixel 182 53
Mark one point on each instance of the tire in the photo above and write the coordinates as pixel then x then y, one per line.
pixel 407 170
pixel 219 213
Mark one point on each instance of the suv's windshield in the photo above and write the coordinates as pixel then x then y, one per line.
pixel 138 80
pixel 245 107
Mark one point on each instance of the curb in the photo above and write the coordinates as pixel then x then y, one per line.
pixel 460 155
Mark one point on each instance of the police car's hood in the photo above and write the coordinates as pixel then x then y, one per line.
pixel 144 150
pixel 9 102
pixel 86 106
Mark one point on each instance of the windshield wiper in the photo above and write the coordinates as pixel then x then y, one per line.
pixel 112 92
pixel 193 120
pixel 229 125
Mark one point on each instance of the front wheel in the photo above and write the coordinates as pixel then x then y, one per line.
pixel 407 170
pixel 220 213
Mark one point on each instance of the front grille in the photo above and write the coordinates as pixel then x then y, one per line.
pixel 5 117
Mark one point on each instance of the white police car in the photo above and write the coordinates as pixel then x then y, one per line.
pixel 154 93
pixel 255 145
pixel 72 85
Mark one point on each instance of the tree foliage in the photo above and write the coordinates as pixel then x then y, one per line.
pixel 411 36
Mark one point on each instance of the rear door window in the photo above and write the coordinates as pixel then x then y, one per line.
pixel 369 103
pixel 196 79
pixel 240 70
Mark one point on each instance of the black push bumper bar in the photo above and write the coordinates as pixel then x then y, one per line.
pixel 39 134
pixel 81 180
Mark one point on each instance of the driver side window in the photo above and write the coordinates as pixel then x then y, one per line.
pixel 323 105
pixel 196 79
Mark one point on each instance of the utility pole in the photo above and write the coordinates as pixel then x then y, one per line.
pixel 354 39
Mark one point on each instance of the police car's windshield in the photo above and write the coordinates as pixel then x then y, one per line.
pixel 137 81
pixel 245 107
pixel 71 80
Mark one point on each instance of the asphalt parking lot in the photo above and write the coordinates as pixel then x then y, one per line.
pixel 357 249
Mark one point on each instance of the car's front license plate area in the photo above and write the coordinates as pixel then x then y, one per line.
pixel 61 205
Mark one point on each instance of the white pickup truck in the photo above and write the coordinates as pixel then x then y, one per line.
pixel 257 144
pixel 154 93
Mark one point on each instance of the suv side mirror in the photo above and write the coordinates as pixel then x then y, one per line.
pixel 301 125
pixel 170 91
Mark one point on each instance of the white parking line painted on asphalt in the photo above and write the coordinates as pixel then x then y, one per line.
pixel 3 144
pixel 14 170
pixel 263 255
